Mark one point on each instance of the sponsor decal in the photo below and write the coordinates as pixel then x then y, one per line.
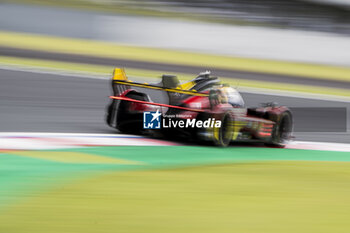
pixel 153 120
pixel 191 123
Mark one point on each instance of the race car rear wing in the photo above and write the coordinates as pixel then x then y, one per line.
pixel 121 83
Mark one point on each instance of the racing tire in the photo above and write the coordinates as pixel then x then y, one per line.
pixel 127 122
pixel 225 131
pixel 110 113
pixel 222 136
pixel 282 131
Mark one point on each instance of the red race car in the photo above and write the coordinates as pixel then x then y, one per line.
pixel 202 110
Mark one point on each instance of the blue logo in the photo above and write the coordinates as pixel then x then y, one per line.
pixel 151 120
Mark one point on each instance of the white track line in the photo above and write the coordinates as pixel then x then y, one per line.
pixel 91 75
pixel 58 72
pixel 40 141
pixel 294 94
pixel 44 134
pixel 325 146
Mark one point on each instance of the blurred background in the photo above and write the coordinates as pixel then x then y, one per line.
pixel 56 61
pixel 291 52
pixel 304 31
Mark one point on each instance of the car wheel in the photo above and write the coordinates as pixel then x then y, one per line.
pixel 126 121
pixel 222 136
pixel 282 131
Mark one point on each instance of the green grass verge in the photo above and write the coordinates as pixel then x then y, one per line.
pixel 190 191
pixel 147 74
pixel 258 197
pixel 103 49
pixel 24 172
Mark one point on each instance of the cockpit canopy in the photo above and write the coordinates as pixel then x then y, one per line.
pixel 226 94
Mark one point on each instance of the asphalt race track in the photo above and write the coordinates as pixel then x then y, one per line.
pixel 38 102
